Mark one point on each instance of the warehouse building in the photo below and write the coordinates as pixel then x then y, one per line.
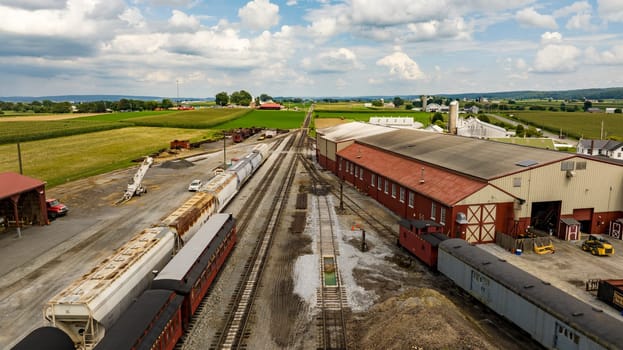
pixel 478 188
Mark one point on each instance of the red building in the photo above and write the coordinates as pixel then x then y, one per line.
pixel 22 200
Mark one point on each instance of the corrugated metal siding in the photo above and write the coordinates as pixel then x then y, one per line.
pixel 488 194
pixel 599 186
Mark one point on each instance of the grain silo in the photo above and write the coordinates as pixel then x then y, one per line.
pixel 453 117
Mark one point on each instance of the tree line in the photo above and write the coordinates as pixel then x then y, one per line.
pixel 47 106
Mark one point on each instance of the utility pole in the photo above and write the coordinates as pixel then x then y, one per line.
pixel 177 83
pixel 224 151
pixel 19 158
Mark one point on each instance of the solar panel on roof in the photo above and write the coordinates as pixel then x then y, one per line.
pixel 527 163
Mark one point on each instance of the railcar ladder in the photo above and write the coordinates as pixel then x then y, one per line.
pixel 136 186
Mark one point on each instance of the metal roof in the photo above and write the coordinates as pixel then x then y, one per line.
pixel 570 221
pixel 598 325
pixel 352 131
pixel 14 183
pixel 433 182
pixel 609 145
pixel 474 157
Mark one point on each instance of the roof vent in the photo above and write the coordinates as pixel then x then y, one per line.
pixel 422 177
pixel 526 163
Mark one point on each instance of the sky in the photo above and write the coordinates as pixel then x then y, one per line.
pixel 307 48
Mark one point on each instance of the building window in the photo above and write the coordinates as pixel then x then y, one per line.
pixel 386 186
pixel 411 199
pixel 433 210
pixel 373 180
pixel 378 183
pixel 394 190
pixel 580 166
pixel 360 173
pixel 516 182
pixel 442 215
pixel 339 165
pixel 402 194
pixel 567 165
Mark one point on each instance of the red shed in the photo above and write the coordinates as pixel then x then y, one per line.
pixel 569 229
pixel 22 197
pixel 274 106
pixel 421 238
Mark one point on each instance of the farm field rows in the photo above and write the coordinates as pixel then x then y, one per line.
pixel 575 124
pixel 69 158
pixel 268 119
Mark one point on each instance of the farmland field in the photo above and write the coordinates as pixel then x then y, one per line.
pixel 575 124
pixel 61 160
pixel 422 117
pixel 22 131
pixel 198 119
pixel 267 119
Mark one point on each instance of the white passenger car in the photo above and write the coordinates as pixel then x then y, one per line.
pixel 195 185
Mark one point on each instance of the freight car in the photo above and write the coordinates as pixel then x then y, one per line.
pixel 421 238
pixel 611 292
pixel 159 317
pixel 91 304
pixel 49 338
pixel 552 317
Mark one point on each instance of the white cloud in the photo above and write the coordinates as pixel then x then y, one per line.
pixel 181 20
pixel 551 38
pixel 259 14
pixel 556 58
pixel 431 30
pixel 530 18
pixel 521 64
pixel 611 10
pixel 133 17
pixel 576 7
pixel 336 61
pixel 401 65
pixel 291 2
pixel 35 4
pixel 614 56
pixel 581 21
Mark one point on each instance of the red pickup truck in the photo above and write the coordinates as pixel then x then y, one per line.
pixel 55 208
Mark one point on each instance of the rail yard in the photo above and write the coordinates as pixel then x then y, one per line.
pixel 314 267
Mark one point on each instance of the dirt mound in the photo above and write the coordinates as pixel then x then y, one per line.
pixel 418 319
pixel 177 164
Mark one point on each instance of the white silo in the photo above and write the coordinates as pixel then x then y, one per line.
pixel 453 117
pixel 424 99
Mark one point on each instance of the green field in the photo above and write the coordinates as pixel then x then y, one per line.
pixel 575 124
pixel 197 119
pixel 364 116
pixel 267 119
pixel 12 132
pixel 73 157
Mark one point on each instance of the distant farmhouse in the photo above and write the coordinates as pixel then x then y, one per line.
pixel 474 127
pixel 605 148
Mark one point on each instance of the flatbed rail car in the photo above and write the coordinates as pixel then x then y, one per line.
pixel 154 320
pixel 91 304
pixel 553 318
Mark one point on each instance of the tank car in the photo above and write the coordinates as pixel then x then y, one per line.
pixel 49 338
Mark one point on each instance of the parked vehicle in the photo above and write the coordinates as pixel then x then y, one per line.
pixel 195 185
pixel 597 246
pixel 55 208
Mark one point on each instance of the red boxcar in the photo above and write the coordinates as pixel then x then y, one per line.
pixel 192 270
pixel 421 238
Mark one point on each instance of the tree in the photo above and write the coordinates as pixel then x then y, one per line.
pixel 437 116
pixel 265 97
pixel 166 103
pixel 618 111
pixel 222 98
pixel 484 118
pixel 398 101
pixel 241 98
pixel 587 104
pixel 377 103
pixel 519 131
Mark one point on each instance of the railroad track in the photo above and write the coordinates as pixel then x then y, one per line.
pixel 236 331
pixel 331 296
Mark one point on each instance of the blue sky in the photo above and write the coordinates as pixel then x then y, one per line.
pixel 307 47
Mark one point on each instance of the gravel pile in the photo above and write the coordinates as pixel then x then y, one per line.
pixel 177 164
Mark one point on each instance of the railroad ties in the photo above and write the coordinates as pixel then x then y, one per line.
pixel 331 296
